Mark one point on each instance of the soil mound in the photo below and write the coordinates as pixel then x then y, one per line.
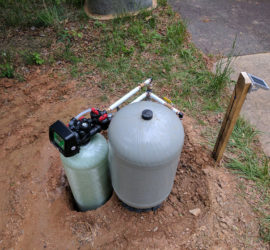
pixel 203 210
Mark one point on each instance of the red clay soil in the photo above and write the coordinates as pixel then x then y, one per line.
pixel 37 208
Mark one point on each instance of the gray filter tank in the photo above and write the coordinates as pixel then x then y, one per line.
pixel 145 143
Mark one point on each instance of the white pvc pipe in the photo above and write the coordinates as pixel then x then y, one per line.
pixel 124 98
pixel 140 98
pixel 83 113
pixel 158 99
pixel 121 100
pixel 129 94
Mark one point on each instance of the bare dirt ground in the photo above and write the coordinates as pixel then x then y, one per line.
pixel 36 206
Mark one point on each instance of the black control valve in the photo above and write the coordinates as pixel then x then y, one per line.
pixel 78 132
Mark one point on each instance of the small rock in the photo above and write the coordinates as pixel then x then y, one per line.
pixel 199 161
pixel 196 212
pixel 202 228
pixel 8 84
pixel 223 225
pixel 155 229
pixel 174 190
pixel 175 213
pixel 173 199
pixel 33 28
pixel 205 158
pixel 168 209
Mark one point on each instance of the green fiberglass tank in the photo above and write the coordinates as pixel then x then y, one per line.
pixel 88 174
pixel 145 143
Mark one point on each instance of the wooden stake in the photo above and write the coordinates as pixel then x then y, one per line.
pixel 238 97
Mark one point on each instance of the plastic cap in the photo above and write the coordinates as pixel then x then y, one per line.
pixel 147 114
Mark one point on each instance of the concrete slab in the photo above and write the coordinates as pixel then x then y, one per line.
pixel 214 24
pixel 256 108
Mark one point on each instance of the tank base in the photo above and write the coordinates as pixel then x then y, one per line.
pixel 112 16
pixel 140 210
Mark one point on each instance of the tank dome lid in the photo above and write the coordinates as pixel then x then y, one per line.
pixel 147 114
pixel 146 133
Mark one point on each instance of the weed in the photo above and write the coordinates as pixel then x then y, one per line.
pixel 98 24
pixel 222 75
pixel 70 57
pixel 6 70
pixel 162 3
pixel 74 71
pixel 32 58
pixel 20 77
pixel 265 229
pixel 6 66
pixel 65 36
pixel 37 58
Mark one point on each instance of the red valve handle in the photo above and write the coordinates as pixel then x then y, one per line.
pixel 94 111
pixel 103 117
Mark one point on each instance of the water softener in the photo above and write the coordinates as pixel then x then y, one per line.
pixel 84 155
pixel 145 142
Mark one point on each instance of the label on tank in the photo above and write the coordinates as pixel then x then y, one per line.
pixel 59 140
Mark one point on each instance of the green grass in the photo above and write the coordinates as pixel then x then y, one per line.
pixel 27 13
pixel 154 43
pixel 251 164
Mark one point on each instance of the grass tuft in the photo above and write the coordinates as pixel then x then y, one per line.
pixel 49 17
pixel 249 164
pixel 265 229
pixel 223 72
pixel 6 66
pixel 6 70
